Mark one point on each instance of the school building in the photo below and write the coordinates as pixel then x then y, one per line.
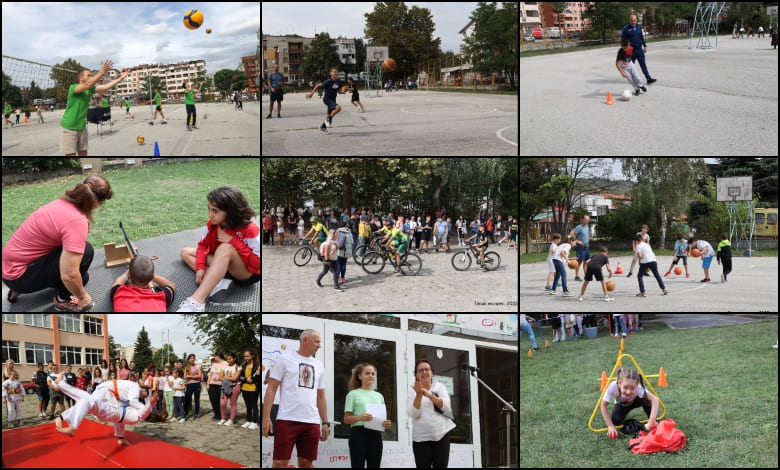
pixel 66 338
pixel 393 343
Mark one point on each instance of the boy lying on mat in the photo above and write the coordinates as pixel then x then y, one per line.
pixel 116 401
pixel 133 291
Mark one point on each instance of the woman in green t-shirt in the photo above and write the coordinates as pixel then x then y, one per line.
pixel 365 445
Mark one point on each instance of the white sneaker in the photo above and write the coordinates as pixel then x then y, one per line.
pixel 190 305
pixel 220 422
pixel 229 422
pixel 252 426
pixel 246 425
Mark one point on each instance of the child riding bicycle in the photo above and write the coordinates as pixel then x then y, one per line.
pixel 481 245
pixel 320 231
pixel 396 239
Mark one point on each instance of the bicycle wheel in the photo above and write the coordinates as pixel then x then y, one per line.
pixel 373 262
pixel 412 265
pixel 303 256
pixel 492 260
pixel 461 261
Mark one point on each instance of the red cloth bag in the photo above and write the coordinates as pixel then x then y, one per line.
pixel 664 438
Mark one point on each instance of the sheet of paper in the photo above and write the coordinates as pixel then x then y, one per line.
pixel 378 414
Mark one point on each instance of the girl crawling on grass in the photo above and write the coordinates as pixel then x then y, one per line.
pixel 628 393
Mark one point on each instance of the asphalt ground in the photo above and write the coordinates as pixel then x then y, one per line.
pixel 222 131
pixel 751 287
pixel 438 288
pixel 400 123
pixel 685 322
pixel 706 102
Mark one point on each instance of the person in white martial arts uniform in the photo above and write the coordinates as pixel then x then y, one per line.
pixel 115 401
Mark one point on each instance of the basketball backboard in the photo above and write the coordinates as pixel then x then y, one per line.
pixel 377 53
pixel 735 188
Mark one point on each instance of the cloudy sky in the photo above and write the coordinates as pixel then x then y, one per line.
pixel 124 328
pixel 347 20
pixel 130 33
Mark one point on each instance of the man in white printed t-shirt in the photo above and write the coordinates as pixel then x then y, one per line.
pixel 302 404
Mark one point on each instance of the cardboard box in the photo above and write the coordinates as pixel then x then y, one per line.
pixel 117 255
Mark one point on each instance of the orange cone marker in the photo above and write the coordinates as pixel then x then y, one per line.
pixel 609 99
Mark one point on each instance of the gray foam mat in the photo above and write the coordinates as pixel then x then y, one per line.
pixel 237 298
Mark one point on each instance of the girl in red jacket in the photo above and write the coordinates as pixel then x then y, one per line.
pixel 229 247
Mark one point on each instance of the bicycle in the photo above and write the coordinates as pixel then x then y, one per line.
pixel 411 264
pixel 461 261
pixel 305 254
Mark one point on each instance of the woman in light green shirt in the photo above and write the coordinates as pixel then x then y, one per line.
pixel 365 445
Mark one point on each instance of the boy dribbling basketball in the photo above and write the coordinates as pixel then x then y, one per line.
pixel 331 86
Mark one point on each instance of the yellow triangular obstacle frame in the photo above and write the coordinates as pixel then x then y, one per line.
pixel 613 376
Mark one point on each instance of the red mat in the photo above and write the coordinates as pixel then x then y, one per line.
pixel 95 446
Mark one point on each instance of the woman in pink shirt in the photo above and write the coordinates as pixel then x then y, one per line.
pixel 50 249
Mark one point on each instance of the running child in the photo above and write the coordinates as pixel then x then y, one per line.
pixel 629 392
pixel 593 268
pixel 724 252
pixel 680 252
pixel 331 86
pixel 627 68
pixel 706 252
pixel 646 262
pixel 355 95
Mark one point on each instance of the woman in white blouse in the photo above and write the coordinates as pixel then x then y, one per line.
pixel 431 432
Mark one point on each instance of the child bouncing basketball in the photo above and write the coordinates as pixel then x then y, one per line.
pixel 647 262
pixel 680 253
pixel 593 268
pixel 628 393
pixel 626 67
pixel 331 86
pixel 706 252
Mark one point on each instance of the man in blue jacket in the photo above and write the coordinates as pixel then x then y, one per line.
pixel 633 32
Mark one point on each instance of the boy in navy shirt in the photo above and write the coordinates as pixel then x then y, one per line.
pixel 331 86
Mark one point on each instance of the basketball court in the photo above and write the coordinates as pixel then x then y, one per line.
pixel 720 101
pixel 222 130
pixel 94 446
pixel 751 287
pixel 400 123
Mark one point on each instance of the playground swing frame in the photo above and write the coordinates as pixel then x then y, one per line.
pixel 612 377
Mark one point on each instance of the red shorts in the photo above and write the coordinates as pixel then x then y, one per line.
pixel 304 436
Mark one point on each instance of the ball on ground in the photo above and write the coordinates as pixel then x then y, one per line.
pixel 610 285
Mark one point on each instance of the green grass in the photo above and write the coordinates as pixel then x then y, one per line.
pixel 722 393
pixel 150 201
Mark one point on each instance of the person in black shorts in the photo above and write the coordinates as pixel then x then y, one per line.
pixel 275 81
pixel 331 86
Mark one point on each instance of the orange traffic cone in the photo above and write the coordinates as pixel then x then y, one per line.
pixel 609 99
pixel 604 380
pixel 531 352
pixel 662 378
pixel 619 269
pixel 546 344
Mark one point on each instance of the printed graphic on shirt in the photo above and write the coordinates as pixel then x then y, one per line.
pixel 305 375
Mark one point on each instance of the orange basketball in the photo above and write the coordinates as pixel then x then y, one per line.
pixel 573 263
pixel 610 285
pixel 388 65
pixel 695 252
pixel 678 270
